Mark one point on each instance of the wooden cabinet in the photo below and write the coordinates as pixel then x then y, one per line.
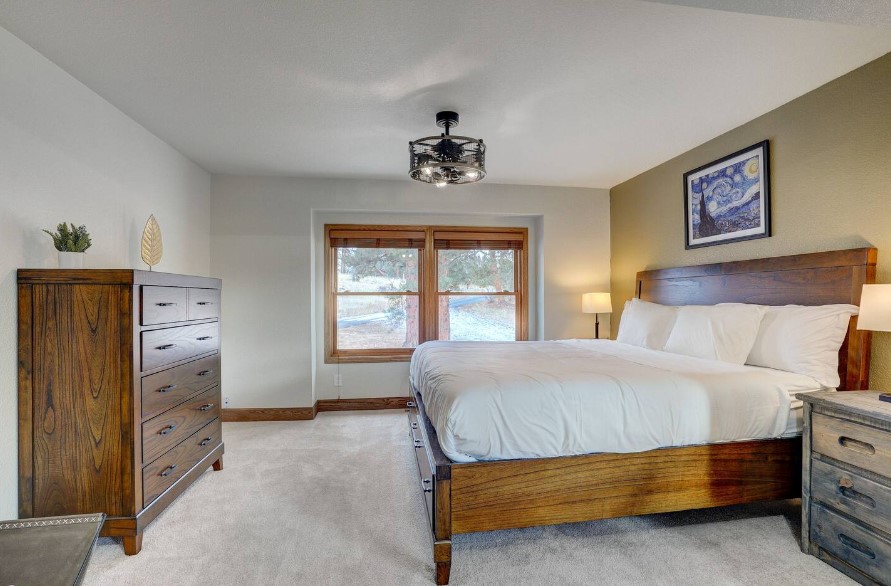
pixel 846 483
pixel 119 393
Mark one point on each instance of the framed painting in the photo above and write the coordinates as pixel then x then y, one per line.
pixel 728 200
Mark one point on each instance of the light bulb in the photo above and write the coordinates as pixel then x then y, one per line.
pixel 440 184
pixel 427 171
pixel 472 174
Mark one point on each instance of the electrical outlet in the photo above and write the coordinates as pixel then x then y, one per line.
pixel 338 380
pixel 226 401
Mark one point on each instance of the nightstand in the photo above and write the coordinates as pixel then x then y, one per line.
pixel 846 483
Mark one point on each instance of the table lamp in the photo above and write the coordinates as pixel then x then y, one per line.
pixel 875 313
pixel 596 303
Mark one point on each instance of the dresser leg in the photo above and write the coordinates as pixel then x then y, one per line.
pixel 218 465
pixel 133 543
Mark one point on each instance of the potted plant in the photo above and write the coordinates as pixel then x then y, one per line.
pixel 71 242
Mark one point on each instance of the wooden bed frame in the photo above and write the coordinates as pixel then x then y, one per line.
pixel 506 494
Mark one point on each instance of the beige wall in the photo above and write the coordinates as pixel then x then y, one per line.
pixel 830 182
pixel 266 236
pixel 67 154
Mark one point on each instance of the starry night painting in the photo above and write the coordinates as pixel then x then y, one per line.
pixel 729 199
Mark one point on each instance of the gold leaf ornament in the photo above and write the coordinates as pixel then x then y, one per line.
pixel 152 247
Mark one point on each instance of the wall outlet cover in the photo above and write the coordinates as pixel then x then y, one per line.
pixel 226 401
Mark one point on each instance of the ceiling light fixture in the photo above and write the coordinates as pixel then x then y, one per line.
pixel 443 160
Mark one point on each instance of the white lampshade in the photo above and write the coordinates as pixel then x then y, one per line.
pixel 875 308
pixel 596 303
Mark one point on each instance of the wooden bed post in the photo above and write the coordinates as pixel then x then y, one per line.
pixel 442 535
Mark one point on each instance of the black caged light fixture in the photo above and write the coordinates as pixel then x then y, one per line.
pixel 445 159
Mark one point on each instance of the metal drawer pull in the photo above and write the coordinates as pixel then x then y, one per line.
pixel 167 429
pixel 206 441
pixel 204 303
pixel 205 372
pixel 425 484
pixel 856 546
pixel 202 338
pixel 856 445
pixel 165 304
pixel 410 404
pixel 205 407
pixel 414 425
pixel 166 388
pixel 168 470
pixel 166 347
pixel 846 489
pixel 419 443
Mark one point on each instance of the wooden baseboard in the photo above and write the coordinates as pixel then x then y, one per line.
pixel 308 413
pixel 361 404
pixel 270 414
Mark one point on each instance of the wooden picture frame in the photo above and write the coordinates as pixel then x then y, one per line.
pixel 728 200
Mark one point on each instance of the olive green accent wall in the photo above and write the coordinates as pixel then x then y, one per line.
pixel 831 189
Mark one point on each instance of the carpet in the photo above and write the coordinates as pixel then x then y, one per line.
pixel 336 501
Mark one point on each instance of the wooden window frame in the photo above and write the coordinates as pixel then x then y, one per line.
pixel 428 287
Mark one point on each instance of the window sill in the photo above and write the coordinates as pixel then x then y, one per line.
pixel 366 358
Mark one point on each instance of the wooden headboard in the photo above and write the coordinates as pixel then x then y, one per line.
pixel 804 279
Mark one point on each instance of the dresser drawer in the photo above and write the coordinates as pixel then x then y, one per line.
pixel 204 303
pixel 859 445
pixel 168 388
pixel 160 347
pixel 161 305
pixel 163 472
pixel 851 493
pixel 852 544
pixel 171 427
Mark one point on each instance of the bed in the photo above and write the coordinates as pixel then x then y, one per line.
pixel 470 496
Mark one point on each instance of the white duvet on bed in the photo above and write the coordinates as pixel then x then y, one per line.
pixel 506 400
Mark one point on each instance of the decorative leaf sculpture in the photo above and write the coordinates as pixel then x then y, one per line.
pixel 152 247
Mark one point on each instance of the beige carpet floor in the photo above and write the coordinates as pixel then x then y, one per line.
pixel 335 501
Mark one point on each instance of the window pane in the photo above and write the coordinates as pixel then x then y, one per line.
pixel 377 269
pixel 377 321
pixel 477 317
pixel 485 271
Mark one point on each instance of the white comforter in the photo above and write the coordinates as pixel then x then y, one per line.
pixel 505 400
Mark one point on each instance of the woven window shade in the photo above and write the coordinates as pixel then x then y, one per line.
pixel 446 240
pixel 376 239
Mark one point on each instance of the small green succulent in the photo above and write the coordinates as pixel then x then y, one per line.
pixel 73 239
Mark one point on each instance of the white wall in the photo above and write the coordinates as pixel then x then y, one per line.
pixel 67 154
pixel 266 245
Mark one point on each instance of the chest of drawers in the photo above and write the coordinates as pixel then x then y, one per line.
pixel 846 483
pixel 119 393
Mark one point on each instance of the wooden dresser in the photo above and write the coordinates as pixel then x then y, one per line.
pixel 119 393
pixel 846 483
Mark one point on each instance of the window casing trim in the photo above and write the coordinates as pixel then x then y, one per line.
pixel 428 293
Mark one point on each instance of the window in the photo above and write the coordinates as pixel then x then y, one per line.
pixel 390 288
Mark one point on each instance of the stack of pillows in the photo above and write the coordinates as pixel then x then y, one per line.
pixel 794 338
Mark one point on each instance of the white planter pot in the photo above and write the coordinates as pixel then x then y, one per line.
pixel 71 260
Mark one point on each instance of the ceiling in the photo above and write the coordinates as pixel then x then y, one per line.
pixel 564 92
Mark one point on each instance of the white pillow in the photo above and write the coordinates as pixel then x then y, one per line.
pixel 726 332
pixel 646 324
pixel 803 339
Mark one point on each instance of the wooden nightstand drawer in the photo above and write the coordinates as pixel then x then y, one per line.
pixel 852 493
pixel 852 544
pixel 859 445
